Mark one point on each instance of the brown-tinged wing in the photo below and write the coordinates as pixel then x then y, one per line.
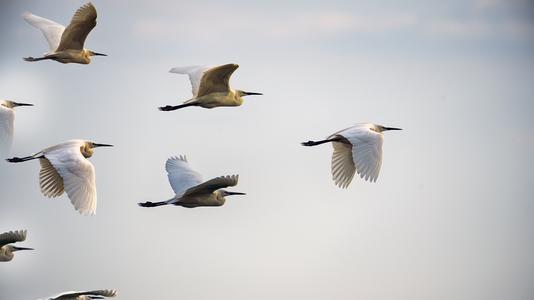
pixel 216 80
pixel 83 21
pixel 212 185
pixel 50 180
pixel 12 237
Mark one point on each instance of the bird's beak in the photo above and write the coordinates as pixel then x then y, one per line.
pixel 234 193
pixel 391 128
pixel 99 54
pixel 95 145
pixel 15 104
pixel 20 248
pixel 251 93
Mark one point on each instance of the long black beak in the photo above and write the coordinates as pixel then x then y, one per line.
pixel 15 104
pixel 252 93
pixel 234 193
pixel 99 54
pixel 101 145
pixel 391 128
pixel 20 248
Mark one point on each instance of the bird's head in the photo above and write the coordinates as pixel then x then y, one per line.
pixel 12 248
pixel 88 146
pixel 13 104
pixel 241 93
pixel 380 128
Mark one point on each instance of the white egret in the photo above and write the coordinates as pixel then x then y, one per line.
pixel 356 149
pixel 65 168
pixel 7 238
pixel 190 189
pixel 7 120
pixel 86 295
pixel 66 44
pixel 211 87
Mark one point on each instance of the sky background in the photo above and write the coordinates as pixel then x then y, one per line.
pixel 450 217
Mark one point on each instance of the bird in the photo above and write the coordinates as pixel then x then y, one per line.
pixel 66 44
pixel 189 188
pixel 6 250
pixel 7 119
pixel 65 168
pixel 85 295
pixel 356 149
pixel 211 87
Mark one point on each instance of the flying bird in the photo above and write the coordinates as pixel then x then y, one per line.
pixel 65 168
pixel 7 119
pixel 66 44
pixel 356 149
pixel 211 87
pixel 87 295
pixel 7 238
pixel 189 188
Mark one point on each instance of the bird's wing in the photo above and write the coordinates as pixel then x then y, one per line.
pixel 181 175
pixel 216 79
pixel 342 163
pixel 78 177
pixel 73 294
pixel 83 21
pixel 366 151
pixel 7 118
pixel 212 185
pixel 12 237
pixel 50 180
pixel 195 75
pixel 51 30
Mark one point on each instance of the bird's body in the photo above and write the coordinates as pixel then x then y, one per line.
pixel 211 87
pixel 7 238
pixel 66 44
pixel 189 188
pixel 84 295
pixel 356 149
pixel 7 123
pixel 65 168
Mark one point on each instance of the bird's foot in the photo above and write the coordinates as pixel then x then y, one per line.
pixel 29 58
pixel 167 108
pixel 309 143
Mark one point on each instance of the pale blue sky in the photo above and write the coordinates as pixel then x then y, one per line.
pixel 450 216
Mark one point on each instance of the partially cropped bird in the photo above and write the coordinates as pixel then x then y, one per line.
pixel 190 189
pixel 65 168
pixel 7 120
pixel 7 238
pixel 356 149
pixel 86 295
pixel 66 44
pixel 211 87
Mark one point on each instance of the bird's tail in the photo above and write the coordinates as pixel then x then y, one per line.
pixel 23 159
pixel 152 204
pixel 170 107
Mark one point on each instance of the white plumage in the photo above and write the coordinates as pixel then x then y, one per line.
pixel 83 295
pixel 7 124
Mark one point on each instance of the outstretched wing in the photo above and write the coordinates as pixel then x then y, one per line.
pixel 12 237
pixel 78 177
pixel 7 118
pixel 51 30
pixel 97 294
pixel 49 179
pixel 212 185
pixel 83 21
pixel 216 79
pixel 343 168
pixel 366 151
pixel 195 75
pixel 181 175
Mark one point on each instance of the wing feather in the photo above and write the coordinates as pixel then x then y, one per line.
pixel 366 150
pixel 7 119
pixel 51 30
pixel 216 79
pixel 83 21
pixel 181 175
pixel 212 185
pixel 12 237
pixel 195 75
pixel 342 164
pixel 50 180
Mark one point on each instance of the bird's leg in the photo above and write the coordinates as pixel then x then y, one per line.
pixel 23 159
pixel 152 204
pixel 170 108
pixel 315 143
pixel 36 59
